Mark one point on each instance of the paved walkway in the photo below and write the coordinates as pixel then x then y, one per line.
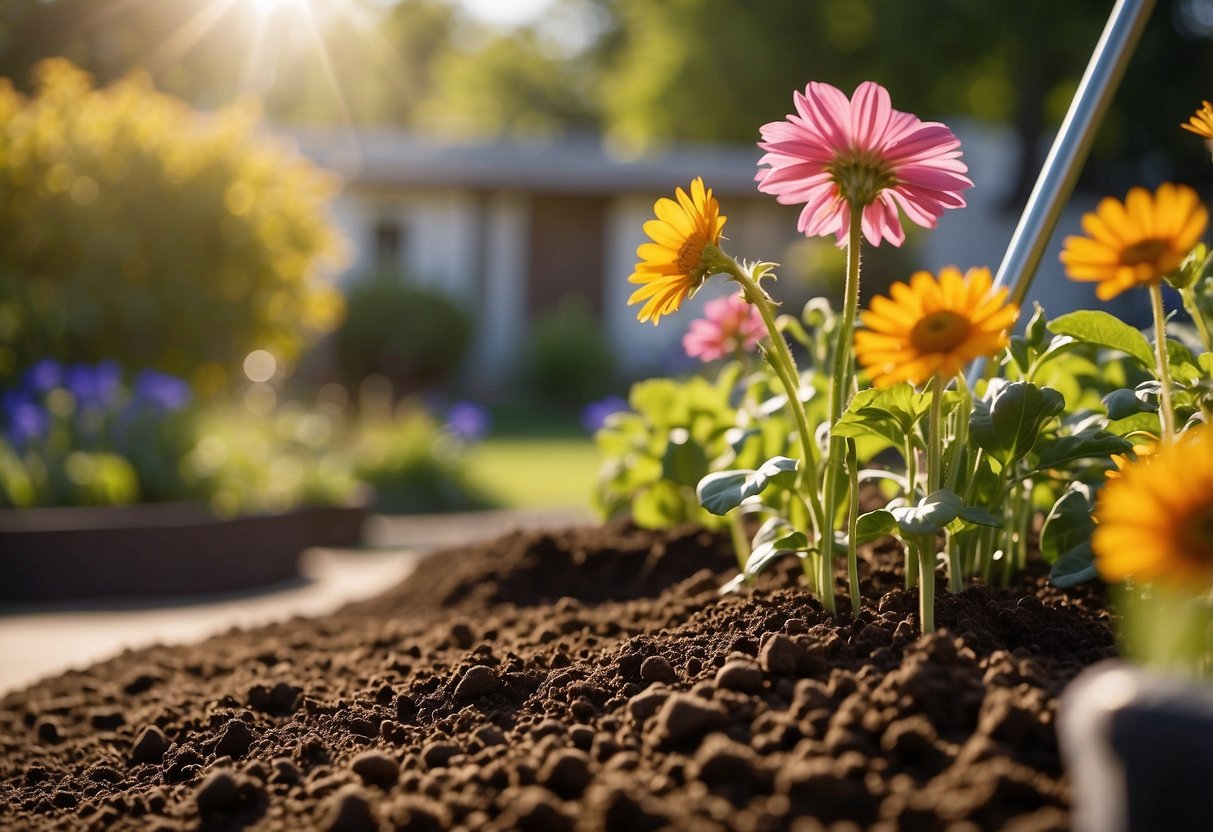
pixel 37 641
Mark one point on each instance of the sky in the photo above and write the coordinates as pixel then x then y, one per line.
pixel 507 12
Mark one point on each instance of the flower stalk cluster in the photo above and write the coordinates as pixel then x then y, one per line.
pixel 976 461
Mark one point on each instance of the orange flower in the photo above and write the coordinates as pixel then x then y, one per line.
pixel 672 267
pixel 1201 122
pixel 1137 242
pixel 933 327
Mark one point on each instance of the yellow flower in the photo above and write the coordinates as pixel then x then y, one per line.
pixel 1201 122
pixel 933 327
pixel 1137 242
pixel 1122 461
pixel 672 267
pixel 1155 521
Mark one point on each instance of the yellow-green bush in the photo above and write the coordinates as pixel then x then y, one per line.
pixel 134 228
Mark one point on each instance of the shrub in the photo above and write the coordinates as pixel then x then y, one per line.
pixel 415 337
pixel 136 229
pixel 568 361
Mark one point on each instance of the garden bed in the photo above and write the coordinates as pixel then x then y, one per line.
pixel 165 549
pixel 586 679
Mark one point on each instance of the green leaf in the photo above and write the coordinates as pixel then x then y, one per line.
pixel 1104 330
pixel 1076 566
pixel 1034 332
pixel 685 461
pixel 874 525
pixel 659 506
pixel 1123 403
pixel 1008 425
pixel 721 492
pixel 980 516
pixel 1183 366
pixel 1091 444
pixel 1021 353
pixel 931 515
pixel 1068 525
pixel 890 413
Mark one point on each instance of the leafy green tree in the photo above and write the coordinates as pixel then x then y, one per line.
pixel 133 228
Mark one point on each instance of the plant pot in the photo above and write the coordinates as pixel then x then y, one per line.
pixel 1138 746
pixel 56 554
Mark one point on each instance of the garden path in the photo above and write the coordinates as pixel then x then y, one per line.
pixel 41 640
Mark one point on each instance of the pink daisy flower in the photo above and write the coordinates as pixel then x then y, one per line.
pixel 835 151
pixel 729 325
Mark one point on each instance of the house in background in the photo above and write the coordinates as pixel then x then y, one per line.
pixel 510 229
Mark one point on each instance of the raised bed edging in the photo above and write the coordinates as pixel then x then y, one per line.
pixel 59 554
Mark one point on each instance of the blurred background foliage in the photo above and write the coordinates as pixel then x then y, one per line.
pixel 147 224
pixel 134 229
pixel 637 72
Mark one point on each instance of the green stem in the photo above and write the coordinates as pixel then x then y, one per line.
pixel 960 436
pixel 925 547
pixel 935 436
pixel 911 469
pixel 1202 326
pixel 741 543
pixel 844 365
pixel 785 368
pixel 955 568
pixel 1164 369
pixel 853 527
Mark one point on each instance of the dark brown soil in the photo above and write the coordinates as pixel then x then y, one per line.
pixel 587 679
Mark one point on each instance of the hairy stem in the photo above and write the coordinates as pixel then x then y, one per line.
pixel 1164 367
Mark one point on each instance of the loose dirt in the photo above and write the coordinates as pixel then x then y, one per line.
pixel 574 681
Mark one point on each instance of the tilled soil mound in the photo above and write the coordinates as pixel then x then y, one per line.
pixel 586 679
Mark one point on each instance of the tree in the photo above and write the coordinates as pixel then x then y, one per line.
pixel 133 228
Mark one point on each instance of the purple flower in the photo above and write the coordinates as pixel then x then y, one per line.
pixel 43 376
pixel 24 420
pixel 94 387
pixel 468 421
pixel 594 414
pixel 160 391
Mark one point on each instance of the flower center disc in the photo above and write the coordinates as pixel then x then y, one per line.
pixel 941 331
pixel 690 253
pixel 1196 535
pixel 1143 251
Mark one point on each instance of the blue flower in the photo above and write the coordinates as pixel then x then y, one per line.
pixel 43 376
pixel 594 414
pixel 160 391
pixel 24 420
pixel 94 387
pixel 469 421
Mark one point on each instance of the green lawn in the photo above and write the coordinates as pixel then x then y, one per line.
pixel 535 460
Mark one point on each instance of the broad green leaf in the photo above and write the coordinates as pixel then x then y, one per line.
pixel 874 525
pixel 1008 425
pixel 931 515
pixel 1137 423
pixel 1076 566
pixel 792 543
pixel 980 516
pixel 659 506
pixel 685 461
pixel 1123 403
pixel 1095 444
pixel 723 491
pixel 1183 366
pixel 1068 524
pixel 1205 360
pixel 1099 328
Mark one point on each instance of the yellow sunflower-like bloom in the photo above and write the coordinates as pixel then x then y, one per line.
pixel 933 327
pixel 1155 521
pixel 1122 461
pixel 1201 122
pixel 672 267
pixel 1137 242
